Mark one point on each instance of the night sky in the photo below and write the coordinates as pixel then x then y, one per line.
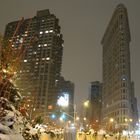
pixel 83 23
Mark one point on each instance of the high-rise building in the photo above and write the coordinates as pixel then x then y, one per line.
pixel 117 91
pixel 94 109
pixel 40 66
pixel 66 97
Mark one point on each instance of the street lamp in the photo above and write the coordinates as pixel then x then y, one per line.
pixel 77 118
pixel 61 119
pixel 111 120
pixel 130 124
pixel 129 121
pixel 84 118
pixel 86 103
pixel 125 119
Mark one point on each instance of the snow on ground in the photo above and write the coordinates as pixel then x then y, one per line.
pixel 11 137
pixel 11 121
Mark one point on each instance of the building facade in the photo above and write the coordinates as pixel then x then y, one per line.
pixel 94 109
pixel 117 90
pixel 66 93
pixel 134 106
pixel 40 66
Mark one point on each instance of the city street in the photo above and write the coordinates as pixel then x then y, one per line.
pixel 69 70
pixel 83 136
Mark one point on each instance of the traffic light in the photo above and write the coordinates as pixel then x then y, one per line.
pixel 53 116
pixel 63 117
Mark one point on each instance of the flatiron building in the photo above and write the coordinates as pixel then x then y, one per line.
pixel 117 90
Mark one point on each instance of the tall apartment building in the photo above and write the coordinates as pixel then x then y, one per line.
pixel 94 109
pixel 41 64
pixel 117 90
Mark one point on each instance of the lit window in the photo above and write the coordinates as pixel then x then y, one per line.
pixel 43 58
pixel 45 44
pixel 50 107
pixel 36 63
pixel 34 52
pixel 124 77
pixel 12 45
pixel 48 58
pixel 51 31
pixel 41 32
pixel 25 60
pixel 25 35
pixel 39 45
pixel 46 32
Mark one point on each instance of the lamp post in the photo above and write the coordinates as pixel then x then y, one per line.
pixel 129 121
pixel 64 108
pixel 86 116
pixel 74 115
pixel 86 103
pixel 130 124
pixel 111 120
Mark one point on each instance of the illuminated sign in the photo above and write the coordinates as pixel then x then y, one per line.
pixel 63 100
